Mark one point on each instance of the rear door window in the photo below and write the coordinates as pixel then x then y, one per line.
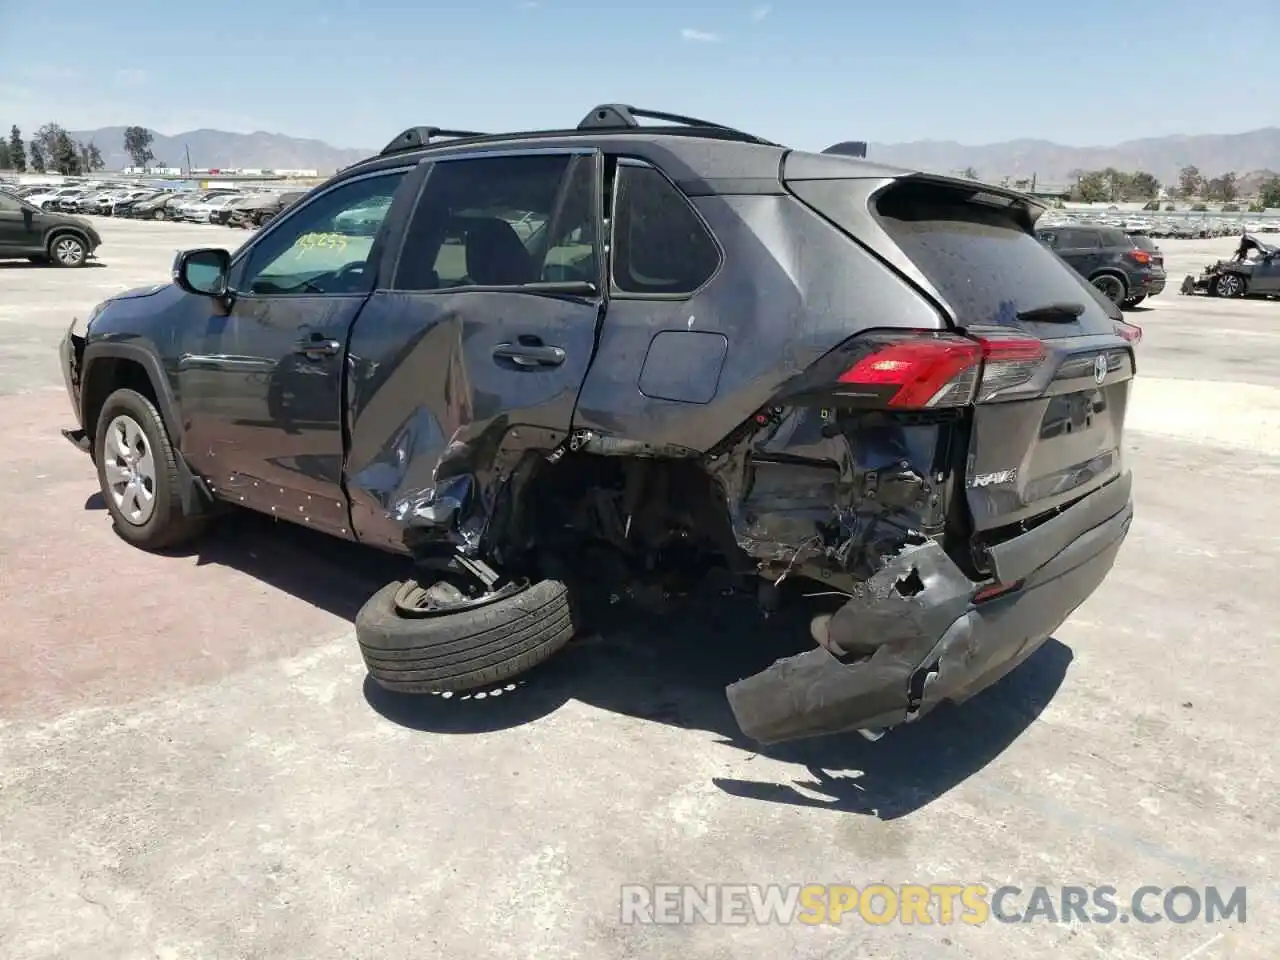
pixel 1116 238
pixel 503 222
pixel 661 246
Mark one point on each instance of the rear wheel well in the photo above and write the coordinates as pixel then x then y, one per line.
pixel 108 375
pixel 644 511
pixel 1110 272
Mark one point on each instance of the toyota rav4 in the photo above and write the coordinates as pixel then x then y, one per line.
pixel 551 362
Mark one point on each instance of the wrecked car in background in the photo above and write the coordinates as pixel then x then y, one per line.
pixel 1252 271
pixel 616 357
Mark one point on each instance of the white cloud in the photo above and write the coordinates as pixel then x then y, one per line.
pixel 760 12
pixel 699 36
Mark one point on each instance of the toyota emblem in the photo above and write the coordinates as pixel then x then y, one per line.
pixel 1099 369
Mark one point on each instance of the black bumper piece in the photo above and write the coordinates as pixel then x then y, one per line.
pixel 935 643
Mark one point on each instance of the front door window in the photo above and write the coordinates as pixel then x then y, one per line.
pixel 327 246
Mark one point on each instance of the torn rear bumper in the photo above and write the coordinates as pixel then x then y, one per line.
pixel 940 645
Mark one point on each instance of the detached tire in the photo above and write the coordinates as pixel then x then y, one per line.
pixel 466 649
pixel 1134 301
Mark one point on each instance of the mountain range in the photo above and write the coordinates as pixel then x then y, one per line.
pixel 218 149
pixel 1162 157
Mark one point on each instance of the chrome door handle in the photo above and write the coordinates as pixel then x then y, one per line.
pixel 318 347
pixel 523 355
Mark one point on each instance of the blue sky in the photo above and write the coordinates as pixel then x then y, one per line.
pixel 804 72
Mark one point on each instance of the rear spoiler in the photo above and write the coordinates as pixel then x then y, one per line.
pixel 1031 208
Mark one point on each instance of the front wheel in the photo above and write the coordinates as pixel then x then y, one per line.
pixel 68 250
pixel 138 473
pixel 1231 285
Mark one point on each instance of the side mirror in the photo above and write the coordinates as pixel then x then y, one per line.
pixel 202 271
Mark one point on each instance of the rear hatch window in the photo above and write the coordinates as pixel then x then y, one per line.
pixel 986 264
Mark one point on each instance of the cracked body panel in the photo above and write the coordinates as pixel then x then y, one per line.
pixel 427 460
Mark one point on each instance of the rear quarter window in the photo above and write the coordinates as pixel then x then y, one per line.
pixel 660 244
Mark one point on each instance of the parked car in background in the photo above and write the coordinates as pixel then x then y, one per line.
pixel 1106 257
pixel 264 210
pixel 109 205
pixel 148 200
pixel 202 211
pixel 44 236
pixel 1252 271
pixel 52 197
pixel 222 213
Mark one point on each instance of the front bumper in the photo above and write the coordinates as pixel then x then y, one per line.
pixel 70 356
pixel 936 643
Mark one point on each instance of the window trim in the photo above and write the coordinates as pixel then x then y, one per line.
pixel 615 293
pixel 527 289
pixel 240 259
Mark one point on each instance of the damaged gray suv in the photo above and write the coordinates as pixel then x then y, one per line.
pixel 552 362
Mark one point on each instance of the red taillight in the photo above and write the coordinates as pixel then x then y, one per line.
pixel 1130 331
pixel 1139 256
pixel 924 371
pixel 927 371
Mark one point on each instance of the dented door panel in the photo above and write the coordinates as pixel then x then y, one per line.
pixel 429 404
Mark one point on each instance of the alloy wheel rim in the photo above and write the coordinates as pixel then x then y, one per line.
pixel 68 250
pixel 130 469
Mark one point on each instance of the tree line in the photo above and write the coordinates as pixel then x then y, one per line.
pixel 1114 185
pixel 53 150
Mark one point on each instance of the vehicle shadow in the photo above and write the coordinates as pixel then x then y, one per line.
pixel 668 667
pixel 673 670
pixel 330 574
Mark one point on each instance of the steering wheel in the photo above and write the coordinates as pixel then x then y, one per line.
pixel 344 275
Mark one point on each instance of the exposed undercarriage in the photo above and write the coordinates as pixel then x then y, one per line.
pixel 797 494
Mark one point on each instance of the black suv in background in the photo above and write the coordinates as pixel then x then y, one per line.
pixel 44 236
pixel 604 361
pixel 1119 265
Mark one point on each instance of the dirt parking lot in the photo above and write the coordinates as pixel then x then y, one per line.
pixel 193 766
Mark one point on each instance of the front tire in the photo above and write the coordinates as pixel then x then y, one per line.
pixel 472 647
pixel 68 250
pixel 1231 285
pixel 138 474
